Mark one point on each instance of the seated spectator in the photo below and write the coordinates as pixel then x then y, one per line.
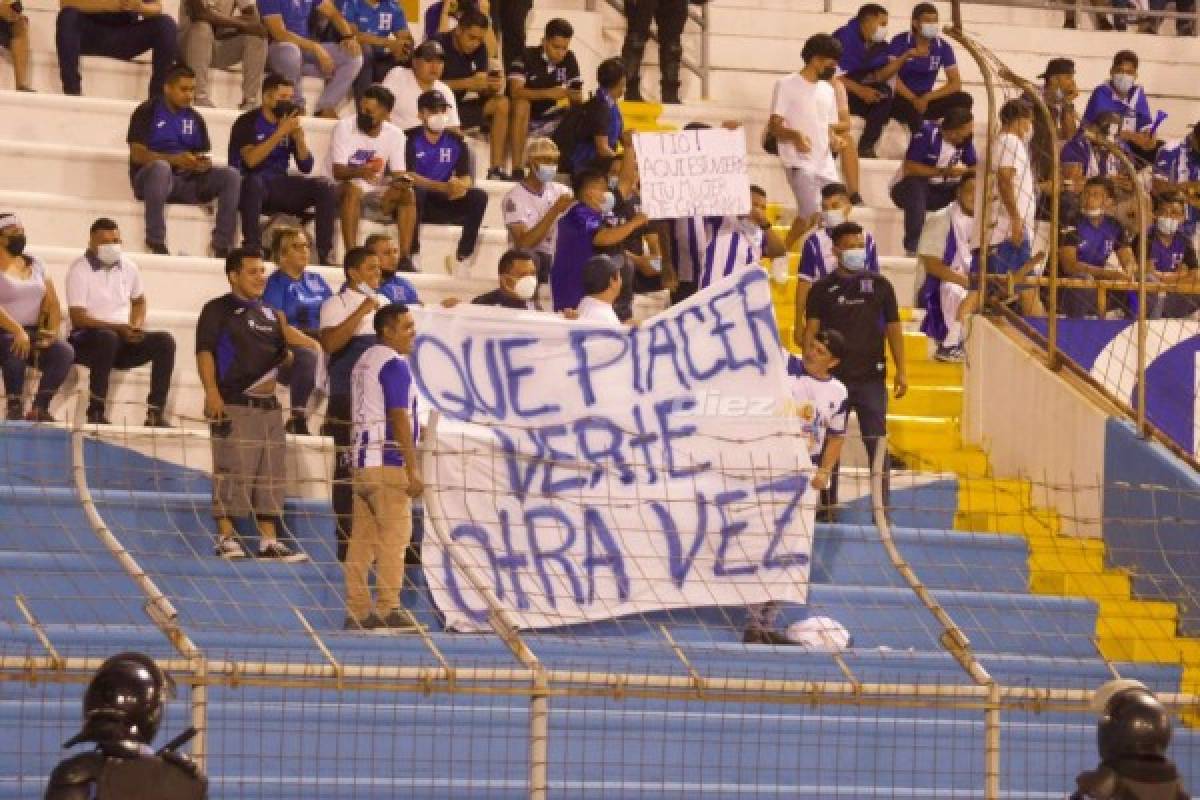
pixel 818 257
pixel 407 85
pixel 533 207
pixel 240 346
pixel 366 159
pixel 1101 21
pixel 14 36
pixel 518 282
pixel 630 254
pixel 347 331
pixel 939 157
pixel 383 35
pixel 29 320
pixel 1177 169
pixel 393 285
pixel 841 141
pixel 803 117
pixel 1013 203
pixel 121 29
pixel 478 86
pixel 294 52
pixel 443 17
pixel 262 145
pixel 736 243
pixel 866 71
pixel 386 475
pixel 298 293
pixel 1122 94
pixel 925 54
pixel 108 315
pixel 440 165
pixel 588 138
pixel 581 233
pixel 1086 242
pixel 1080 159
pixel 544 82
pixel 1172 258
pixel 600 280
pixel 222 34
pixel 170 161
pixel 945 253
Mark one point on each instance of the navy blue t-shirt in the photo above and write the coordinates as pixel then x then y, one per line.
pixel 253 128
pixel 573 247
pixel 1095 239
pixel 930 149
pixel 461 65
pixel 245 340
pixel 859 58
pixel 1173 256
pixel 920 73
pixel 439 160
pixel 162 130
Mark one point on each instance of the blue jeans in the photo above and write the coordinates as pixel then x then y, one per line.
pixel 78 33
pixel 54 362
pixel 289 62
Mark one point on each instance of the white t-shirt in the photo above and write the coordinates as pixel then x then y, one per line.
pixel 819 404
pixel 105 293
pixel 402 83
pixel 809 108
pixel 381 382
pixel 523 207
pixel 1010 151
pixel 349 146
pixel 595 311
pixel 338 309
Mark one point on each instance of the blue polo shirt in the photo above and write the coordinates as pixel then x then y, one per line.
pixel 162 130
pixel 398 289
pixel 383 19
pixel 299 299
pixel 1134 109
pixel 438 160
pixel 573 248
pixel 1178 163
pixel 1094 239
pixel 859 58
pixel 919 74
pixel 1095 160
pixel 1174 255
pixel 295 13
pixel 253 128
pixel 601 117
pixel 929 148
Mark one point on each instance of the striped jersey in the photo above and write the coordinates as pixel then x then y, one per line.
pixel 380 383
pixel 733 243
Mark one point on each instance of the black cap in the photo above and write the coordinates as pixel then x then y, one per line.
pixel 432 100
pixel 1058 66
pixel 429 50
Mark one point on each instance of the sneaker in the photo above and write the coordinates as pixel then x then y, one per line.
pixel 297 426
pixel 497 174
pixel 950 355
pixel 370 622
pixel 278 551
pixel 96 417
pixel 155 419
pixel 157 248
pixel 401 619
pixel 761 636
pixel 229 549
pixel 39 415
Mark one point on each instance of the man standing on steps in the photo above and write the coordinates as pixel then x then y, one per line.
pixel 240 346
pixel 862 307
pixel 671 16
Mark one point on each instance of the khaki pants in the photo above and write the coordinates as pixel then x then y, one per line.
pixel 382 528
pixel 201 49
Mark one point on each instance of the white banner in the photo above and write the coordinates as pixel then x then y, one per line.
pixel 585 473
pixel 693 173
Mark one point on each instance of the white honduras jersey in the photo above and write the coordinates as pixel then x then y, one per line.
pixel 733 243
pixel 381 382
pixel 526 208
pixel 819 404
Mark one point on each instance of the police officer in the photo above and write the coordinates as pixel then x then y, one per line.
pixel 671 16
pixel 122 709
pixel 1132 736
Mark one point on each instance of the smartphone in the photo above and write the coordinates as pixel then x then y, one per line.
pixel 285 109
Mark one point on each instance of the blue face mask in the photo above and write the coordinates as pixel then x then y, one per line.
pixel 855 260
pixel 929 30
pixel 545 172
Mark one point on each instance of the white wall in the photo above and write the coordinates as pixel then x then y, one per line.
pixel 1035 425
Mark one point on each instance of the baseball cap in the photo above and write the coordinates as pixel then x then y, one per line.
pixel 834 342
pixel 430 50
pixel 432 100
pixel 1058 66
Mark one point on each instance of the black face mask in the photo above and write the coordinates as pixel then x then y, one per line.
pixel 827 73
pixel 366 123
pixel 15 244
pixel 284 108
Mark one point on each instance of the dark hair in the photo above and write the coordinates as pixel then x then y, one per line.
pixel 374 239
pixel 597 274
pixel 179 71
pixel 957 116
pixel 1014 110
pixel 1101 181
pixel 584 177
pixel 473 18
pixel 758 190
pixel 382 95
pixel 103 224
pixel 234 260
pixel 920 9
pixel 1124 57
pixel 559 28
pixel 869 10
pixel 386 315
pixel 610 72
pixel 273 81
pixel 833 340
pixel 354 258
pixel 511 257
pixel 821 44
pixel 834 190
pixel 1166 198
pixel 843 230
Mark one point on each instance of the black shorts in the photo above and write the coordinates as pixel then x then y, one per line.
pixel 5 33
pixel 470 114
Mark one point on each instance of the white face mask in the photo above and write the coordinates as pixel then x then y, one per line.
pixel 880 35
pixel 608 203
pixel 1093 212
pixel 545 172
pixel 855 259
pixel 437 122
pixel 1123 81
pixel 525 288
pixel 109 254
pixel 1167 226
pixel 929 30
pixel 833 217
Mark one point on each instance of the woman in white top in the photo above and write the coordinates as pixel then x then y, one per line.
pixel 29 321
